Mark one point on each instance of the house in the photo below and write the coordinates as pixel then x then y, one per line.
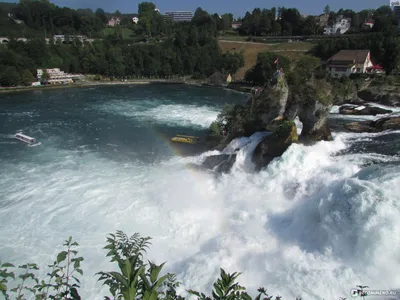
pixel 369 23
pixel 236 25
pixel 322 20
pixel 114 21
pixel 179 16
pixel 347 62
pixel 341 26
pixel 56 76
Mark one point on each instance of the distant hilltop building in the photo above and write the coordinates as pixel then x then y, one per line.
pixel 135 19
pixel 114 22
pixel 236 25
pixel 369 23
pixel 341 26
pixel 180 16
pixel 395 5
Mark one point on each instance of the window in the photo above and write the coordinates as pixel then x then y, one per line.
pixel 358 70
pixel 341 69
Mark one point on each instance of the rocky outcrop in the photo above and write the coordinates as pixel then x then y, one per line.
pixel 363 110
pixel 271 101
pixel 222 163
pixel 216 79
pixel 272 109
pixel 274 145
pixel 389 123
pixel 390 97
pixel 312 103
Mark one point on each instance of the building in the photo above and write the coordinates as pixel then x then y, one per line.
pixel 236 25
pixel 395 5
pixel 347 62
pixel 57 76
pixel 114 22
pixel 369 23
pixel 180 16
pixel 341 26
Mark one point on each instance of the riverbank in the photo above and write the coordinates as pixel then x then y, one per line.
pixel 100 83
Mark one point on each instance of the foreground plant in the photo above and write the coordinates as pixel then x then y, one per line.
pixel 136 280
pixel 61 282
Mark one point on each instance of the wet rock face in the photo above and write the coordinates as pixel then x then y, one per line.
pixel 275 145
pixel 312 104
pixel 386 97
pixel 222 163
pixel 363 110
pixel 315 122
pixel 273 101
pixel 389 123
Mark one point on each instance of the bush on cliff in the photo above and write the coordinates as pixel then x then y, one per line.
pixel 265 68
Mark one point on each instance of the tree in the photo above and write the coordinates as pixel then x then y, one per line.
pixel 265 68
pixel 391 55
pixel 45 76
pixel 9 76
pixel 232 62
pixel 26 77
pixel 327 10
pixel 101 15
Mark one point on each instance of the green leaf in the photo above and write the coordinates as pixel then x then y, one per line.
pixel 246 296
pixel 7 265
pixel 79 271
pixel 61 256
pixel 118 277
pixel 218 290
pixel 155 271
pixel 3 287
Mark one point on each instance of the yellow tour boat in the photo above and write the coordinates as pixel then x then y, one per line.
pixel 187 139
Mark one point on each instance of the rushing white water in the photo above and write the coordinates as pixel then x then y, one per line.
pixel 313 224
pixel 168 114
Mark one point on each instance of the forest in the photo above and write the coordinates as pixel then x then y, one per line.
pixel 158 47
pixel 190 49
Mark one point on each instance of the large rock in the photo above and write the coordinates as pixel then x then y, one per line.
pixel 274 145
pixel 389 123
pixel 271 101
pixel 222 163
pixel 312 103
pixel 365 110
pixel 389 97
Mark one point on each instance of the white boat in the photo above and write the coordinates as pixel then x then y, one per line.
pixel 27 139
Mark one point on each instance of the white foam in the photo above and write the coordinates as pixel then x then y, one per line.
pixel 169 114
pixel 310 225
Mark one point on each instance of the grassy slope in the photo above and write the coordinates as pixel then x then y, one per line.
pixel 126 32
pixel 290 50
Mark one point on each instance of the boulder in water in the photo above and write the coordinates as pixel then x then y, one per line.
pixel 363 110
pixel 274 145
pixel 382 124
pixel 222 163
pixel 382 95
